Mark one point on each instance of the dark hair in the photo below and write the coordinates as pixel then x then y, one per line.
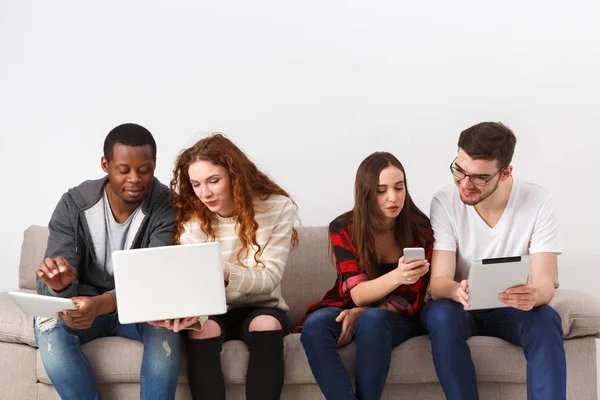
pixel 489 141
pixel 410 224
pixel 129 135
pixel 247 182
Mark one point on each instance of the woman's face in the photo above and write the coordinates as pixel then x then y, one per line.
pixel 390 192
pixel 212 186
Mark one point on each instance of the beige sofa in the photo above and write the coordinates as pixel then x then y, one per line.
pixel 116 361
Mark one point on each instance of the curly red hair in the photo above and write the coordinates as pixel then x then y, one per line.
pixel 247 182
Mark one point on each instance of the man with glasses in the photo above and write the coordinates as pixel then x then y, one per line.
pixel 489 213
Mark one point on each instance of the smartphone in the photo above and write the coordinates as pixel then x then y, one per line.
pixel 413 254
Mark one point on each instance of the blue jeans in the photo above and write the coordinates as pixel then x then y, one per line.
pixel 538 332
pixel 376 332
pixel 72 375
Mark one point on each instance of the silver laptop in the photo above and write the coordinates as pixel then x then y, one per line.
pixel 490 277
pixel 169 282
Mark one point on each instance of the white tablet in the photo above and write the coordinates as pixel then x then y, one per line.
pixel 37 305
pixel 490 277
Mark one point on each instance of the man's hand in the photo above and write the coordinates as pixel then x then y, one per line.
pixel 521 297
pixel 56 273
pixel 83 317
pixel 348 319
pixel 176 324
pixel 462 293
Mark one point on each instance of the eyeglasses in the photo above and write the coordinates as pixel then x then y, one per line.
pixel 474 179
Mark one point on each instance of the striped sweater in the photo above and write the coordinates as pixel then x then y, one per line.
pixel 252 284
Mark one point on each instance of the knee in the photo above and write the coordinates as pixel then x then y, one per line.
pixel 211 329
pixel 372 316
pixel 544 319
pixel 50 336
pixel 263 323
pixel 319 325
pixel 44 326
pixel 442 315
pixel 372 325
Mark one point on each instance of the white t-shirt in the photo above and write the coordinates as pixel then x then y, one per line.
pixel 527 226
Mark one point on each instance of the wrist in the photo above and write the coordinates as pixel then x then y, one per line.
pixel 455 288
pixel 60 289
pixel 398 278
pixel 443 287
pixel 103 304
pixel 360 310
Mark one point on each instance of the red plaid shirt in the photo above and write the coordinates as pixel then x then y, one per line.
pixel 407 299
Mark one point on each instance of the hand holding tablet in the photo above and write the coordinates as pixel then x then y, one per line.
pixel 463 294
pixel 522 297
pixel 490 280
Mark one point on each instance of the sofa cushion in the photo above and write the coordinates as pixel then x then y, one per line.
pixel 495 361
pixel 15 326
pixel 579 312
pixel 113 359
pixel 309 274
pixel 310 271
pixel 118 360
pixel 17 371
pixel 35 240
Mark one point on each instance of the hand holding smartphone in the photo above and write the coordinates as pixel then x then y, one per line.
pixel 409 272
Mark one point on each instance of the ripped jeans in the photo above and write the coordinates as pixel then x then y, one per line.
pixel 72 375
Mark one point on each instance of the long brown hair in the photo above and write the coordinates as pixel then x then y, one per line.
pixel 366 224
pixel 247 182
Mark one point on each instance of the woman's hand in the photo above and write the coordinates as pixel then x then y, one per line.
pixel 348 319
pixel 388 306
pixel 407 274
pixel 226 273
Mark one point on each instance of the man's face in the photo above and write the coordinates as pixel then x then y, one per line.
pixel 130 172
pixel 471 194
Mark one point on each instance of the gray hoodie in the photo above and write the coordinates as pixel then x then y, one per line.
pixel 74 234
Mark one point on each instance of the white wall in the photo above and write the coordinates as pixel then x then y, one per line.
pixel 307 89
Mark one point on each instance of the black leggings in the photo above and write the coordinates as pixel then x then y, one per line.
pixel 264 377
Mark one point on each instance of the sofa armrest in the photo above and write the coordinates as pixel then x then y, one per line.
pixel 579 312
pixel 15 326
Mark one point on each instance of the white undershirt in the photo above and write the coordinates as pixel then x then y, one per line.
pixel 117 234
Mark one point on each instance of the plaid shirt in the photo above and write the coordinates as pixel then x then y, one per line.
pixel 407 299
